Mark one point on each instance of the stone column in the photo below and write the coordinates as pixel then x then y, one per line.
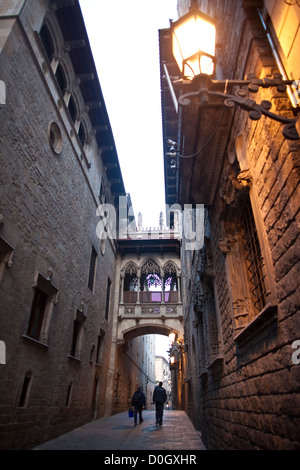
pixel 122 288
pixel 54 64
pixel 138 286
pixel 162 275
pixel 179 288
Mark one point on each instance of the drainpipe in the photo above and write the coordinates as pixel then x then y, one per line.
pixel 174 98
pixel 292 96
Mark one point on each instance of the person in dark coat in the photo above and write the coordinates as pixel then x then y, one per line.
pixel 138 401
pixel 159 398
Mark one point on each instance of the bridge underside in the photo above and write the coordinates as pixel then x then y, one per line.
pixel 131 329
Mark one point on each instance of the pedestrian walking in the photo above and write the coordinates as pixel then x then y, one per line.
pixel 159 398
pixel 138 401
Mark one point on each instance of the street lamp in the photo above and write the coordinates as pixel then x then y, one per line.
pixel 174 363
pixel 193 42
pixel 172 337
pixel 193 47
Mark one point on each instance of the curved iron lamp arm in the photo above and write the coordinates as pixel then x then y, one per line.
pixel 242 101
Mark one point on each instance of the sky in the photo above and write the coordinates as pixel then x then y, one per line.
pixel 162 346
pixel 123 36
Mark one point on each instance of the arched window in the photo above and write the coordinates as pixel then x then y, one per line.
pixel 170 276
pixel 47 41
pixel 170 282
pixel 61 78
pixel 81 134
pixel 130 283
pixel 150 276
pixel 151 283
pixel 72 109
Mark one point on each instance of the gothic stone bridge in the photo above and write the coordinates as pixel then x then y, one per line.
pixel 149 297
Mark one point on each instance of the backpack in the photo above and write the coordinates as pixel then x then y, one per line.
pixel 136 397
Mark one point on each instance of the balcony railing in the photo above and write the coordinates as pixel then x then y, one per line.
pixel 150 297
pixel 130 297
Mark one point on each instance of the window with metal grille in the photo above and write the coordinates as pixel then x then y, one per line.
pixel 254 259
pixel 91 279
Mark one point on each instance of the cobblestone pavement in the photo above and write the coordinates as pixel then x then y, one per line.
pixel 118 432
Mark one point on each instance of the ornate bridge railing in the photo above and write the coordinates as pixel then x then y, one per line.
pixel 150 297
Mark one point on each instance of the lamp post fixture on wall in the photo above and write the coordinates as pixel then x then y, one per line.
pixel 193 46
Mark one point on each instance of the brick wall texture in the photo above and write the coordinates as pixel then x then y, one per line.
pixel 48 213
pixel 250 399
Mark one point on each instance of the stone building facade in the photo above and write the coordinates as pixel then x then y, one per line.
pixel 241 290
pixel 57 279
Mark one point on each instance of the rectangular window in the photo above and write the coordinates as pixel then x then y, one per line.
pixel 92 272
pixel 25 390
pixel 37 314
pixel 75 337
pixel 254 260
pixel 107 298
pixel 69 393
pixel 44 298
pixel 99 349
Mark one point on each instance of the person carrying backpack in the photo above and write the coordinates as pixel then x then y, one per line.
pixel 138 401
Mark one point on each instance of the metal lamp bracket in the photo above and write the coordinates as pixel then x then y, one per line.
pixel 239 98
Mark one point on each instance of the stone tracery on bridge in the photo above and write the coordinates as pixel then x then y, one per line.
pixel 150 282
pixel 149 297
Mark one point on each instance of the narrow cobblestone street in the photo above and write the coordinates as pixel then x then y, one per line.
pixel 118 432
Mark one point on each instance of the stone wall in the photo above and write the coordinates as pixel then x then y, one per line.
pixel 248 398
pixel 48 228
